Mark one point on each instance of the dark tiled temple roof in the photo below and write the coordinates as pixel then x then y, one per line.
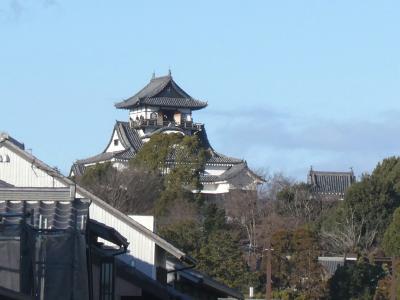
pixel 162 91
pixel 204 178
pixel 98 158
pixel 217 158
pixel 330 183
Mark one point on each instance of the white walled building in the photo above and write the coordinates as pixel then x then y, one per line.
pixel 147 251
pixel 163 107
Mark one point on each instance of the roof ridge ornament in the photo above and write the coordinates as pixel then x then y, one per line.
pixel 169 72
pixel 153 76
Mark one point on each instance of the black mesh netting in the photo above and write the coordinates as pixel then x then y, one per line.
pixel 47 264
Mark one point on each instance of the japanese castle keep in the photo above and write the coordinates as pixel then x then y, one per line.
pixel 163 107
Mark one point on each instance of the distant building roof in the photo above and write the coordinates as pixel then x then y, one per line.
pixel 162 91
pixel 330 183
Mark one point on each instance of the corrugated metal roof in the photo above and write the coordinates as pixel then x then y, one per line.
pixel 35 194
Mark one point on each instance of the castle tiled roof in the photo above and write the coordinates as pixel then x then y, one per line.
pixel 238 175
pixel 162 91
pixel 330 183
pixel 131 141
pixel 237 171
pixel 129 136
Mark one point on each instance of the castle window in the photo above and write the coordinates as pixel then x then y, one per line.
pixel 116 142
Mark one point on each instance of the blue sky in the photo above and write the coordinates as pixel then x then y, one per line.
pixel 289 83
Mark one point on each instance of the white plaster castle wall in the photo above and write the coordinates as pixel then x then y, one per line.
pixel 145 112
pixel 215 188
pixel 111 147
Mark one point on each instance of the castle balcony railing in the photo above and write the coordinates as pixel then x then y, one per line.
pixel 139 124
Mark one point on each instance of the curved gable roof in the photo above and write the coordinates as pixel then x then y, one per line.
pixel 162 91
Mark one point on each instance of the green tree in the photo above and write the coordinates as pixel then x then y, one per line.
pixel 355 281
pixel 185 235
pixel 391 239
pixel 221 258
pixel 295 263
pixel 362 218
pixel 181 160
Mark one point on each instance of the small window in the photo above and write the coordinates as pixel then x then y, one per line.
pixel 116 142
pixel 7 158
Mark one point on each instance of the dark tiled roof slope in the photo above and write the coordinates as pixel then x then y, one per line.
pixel 157 93
pixel 132 143
pixel 98 158
pixel 4 184
pixel 58 214
pixel 130 137
pixel 330 183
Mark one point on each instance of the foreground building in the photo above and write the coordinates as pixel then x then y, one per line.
pixel 55 205
pixel 163 107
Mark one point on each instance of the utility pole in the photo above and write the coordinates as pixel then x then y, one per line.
pixel 268 288
pixel 393 291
